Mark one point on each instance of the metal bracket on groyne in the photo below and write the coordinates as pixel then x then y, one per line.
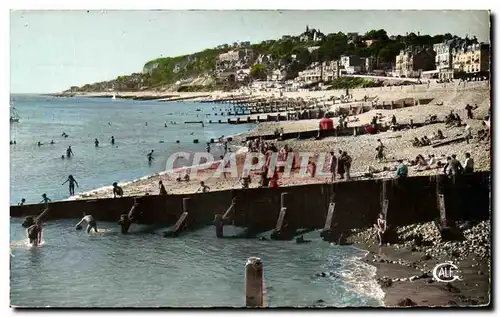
pixel 279 232
pixel 326 233
pixel 220 219
pixel 181 223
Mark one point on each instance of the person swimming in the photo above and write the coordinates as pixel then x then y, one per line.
pixel 39 143
pixel 72 181
pixel 69 152
pixel 52 142
pixel 117 190
pixel 91 223
pixel 62 157
pixel 112 140
pixel 45 200
pixel 96 142
pixel 34 233
pixel 150 156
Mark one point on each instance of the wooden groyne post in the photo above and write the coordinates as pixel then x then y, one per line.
pixel 254 283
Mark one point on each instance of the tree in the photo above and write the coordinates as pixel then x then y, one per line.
pixel 258 71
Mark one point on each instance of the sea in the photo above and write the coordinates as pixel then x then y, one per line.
pixel 143 269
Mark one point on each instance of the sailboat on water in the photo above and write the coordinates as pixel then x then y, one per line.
pixel 114 97
pixel 14 116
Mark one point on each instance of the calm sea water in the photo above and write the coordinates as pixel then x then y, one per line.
pixel 39 169
pixel 73 269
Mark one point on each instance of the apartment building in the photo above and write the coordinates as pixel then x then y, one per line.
pixel 410 63
pixel 472 59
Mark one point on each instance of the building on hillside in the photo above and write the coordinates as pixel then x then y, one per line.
pixel 236 55
pixel 410 63
pixel 352 37
pixel 312 48
pixel 326 71
pixel 277 75
pixel 350 64
pixel 369 43
pixel 472 59
pixel 367 64
pixel 444 58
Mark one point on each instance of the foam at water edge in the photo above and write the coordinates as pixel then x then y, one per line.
pixel 361 277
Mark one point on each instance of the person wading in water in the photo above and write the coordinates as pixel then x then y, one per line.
pixel 72 181
pixel 91 223
pixel 150 156
pixel 34 233
pixel 69 152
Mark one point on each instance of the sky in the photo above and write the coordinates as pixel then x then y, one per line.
pixel 51 51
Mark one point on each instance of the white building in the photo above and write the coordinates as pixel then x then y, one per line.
pixel 444 56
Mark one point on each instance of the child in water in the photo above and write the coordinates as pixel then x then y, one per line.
pixel 34 233
pixel 91 223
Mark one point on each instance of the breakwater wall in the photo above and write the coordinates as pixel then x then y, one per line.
pixel 357 204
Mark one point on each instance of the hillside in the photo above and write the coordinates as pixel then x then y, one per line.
pixel 290 54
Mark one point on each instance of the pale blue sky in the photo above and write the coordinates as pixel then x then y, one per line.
pixel 53 50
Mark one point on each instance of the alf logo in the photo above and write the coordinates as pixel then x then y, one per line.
pixel 445 272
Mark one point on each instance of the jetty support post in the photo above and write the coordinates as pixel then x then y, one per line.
pixel 181 223
pixel 254 283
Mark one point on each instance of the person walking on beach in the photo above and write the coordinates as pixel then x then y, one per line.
pixel 150 156
pixel 203 188
pixel 69 152
pixel 453 166
pixel 380 151
pixel 163 191
pixel 208 147
pixel 45 200
pixel 341 165
pixel 112 140
pixel 91 223
pixel 117 190
pixel 347 165
pixel 333 166
pixel 225 147
pixel 96 142
pixel 72 181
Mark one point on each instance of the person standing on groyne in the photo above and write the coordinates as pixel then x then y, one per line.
pixel 117 190
pixel 72 181
pixel 91 223
pixel 69 152
pixel 203 188
pixel 45 200
pixel 163 191
pixel 333 166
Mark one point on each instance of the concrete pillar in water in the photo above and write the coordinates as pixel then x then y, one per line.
pixel 254 286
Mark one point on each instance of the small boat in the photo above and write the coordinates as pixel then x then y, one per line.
pixel 14 116
pixel 114 97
